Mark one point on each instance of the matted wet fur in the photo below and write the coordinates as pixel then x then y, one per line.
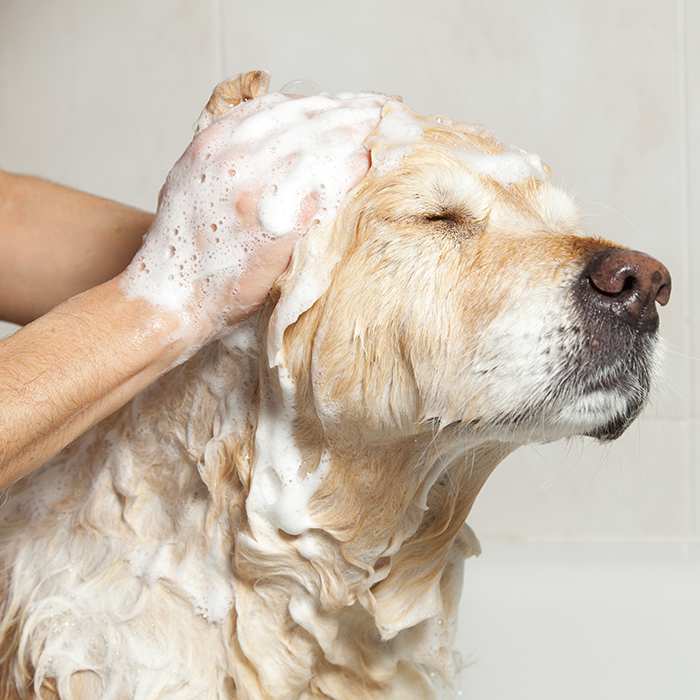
pixel 152 557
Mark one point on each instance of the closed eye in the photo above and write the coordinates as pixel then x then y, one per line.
pixel 456 222
pixel 448 215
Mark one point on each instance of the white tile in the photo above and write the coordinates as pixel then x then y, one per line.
pixel 585 628
pixel 691 46
pixel 636 488
pixel 692 85
pixel 103 96
pixel 695 479
pixel 592 86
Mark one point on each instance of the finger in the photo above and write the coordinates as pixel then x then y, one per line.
pixel 279 116
pixel 358 166
pixel 282 125
pixel 236 115
pixel 246 208
pixel 214 135
pixel 265 265
pixel 326 136
pixel 308 210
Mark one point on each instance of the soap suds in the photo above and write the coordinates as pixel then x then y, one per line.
pixel 396 136
pixel 280 493
pixel 243 182
pixel 204 576
pixel 506 168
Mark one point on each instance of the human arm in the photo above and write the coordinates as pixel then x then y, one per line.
pixel 209 259
pixel 56 242
pixel 75 365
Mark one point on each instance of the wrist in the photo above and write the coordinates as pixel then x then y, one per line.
pixel 152 332
pixel 171 334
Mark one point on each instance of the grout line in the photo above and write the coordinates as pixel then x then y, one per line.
pixel 682 62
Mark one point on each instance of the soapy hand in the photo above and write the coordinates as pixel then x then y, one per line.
pixel 249 184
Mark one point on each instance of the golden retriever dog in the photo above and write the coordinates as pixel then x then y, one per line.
pixel 283 516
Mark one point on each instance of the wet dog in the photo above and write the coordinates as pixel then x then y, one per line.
pixel 283 516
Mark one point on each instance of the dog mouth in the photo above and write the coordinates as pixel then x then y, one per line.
pixel 590 394
pixel 610 362
pixel 612 394
pixel 593 380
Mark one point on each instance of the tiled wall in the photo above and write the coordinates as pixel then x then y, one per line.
pixel 599 90
pixel 103 96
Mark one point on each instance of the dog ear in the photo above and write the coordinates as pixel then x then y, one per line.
pixel 244 86
pixel 229 93
pixel 303 284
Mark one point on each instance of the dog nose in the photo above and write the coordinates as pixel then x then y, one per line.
pixel 629 284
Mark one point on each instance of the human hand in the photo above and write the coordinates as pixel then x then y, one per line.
pixel 249 184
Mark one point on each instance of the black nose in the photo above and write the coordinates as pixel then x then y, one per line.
pixel 628 284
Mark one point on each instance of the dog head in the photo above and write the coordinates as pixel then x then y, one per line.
pixel 464 293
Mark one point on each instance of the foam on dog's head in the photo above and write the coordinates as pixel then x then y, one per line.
pixel 317 253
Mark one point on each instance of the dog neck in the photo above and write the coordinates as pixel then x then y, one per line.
pixel 305 567
pixel 347 561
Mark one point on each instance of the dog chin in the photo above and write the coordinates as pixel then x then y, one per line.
pixel 614 428
pixel 607 403
pixel 603 414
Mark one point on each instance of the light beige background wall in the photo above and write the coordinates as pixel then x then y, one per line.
pixel 589 584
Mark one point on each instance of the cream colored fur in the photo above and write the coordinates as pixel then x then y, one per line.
pixel 160 556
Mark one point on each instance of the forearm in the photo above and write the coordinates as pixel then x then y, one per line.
pixel 74 366
pixel 56 242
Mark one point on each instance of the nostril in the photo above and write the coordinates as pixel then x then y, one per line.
pixel 612 282
pixel 664 294
pixel 661 285
pixel 629 284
